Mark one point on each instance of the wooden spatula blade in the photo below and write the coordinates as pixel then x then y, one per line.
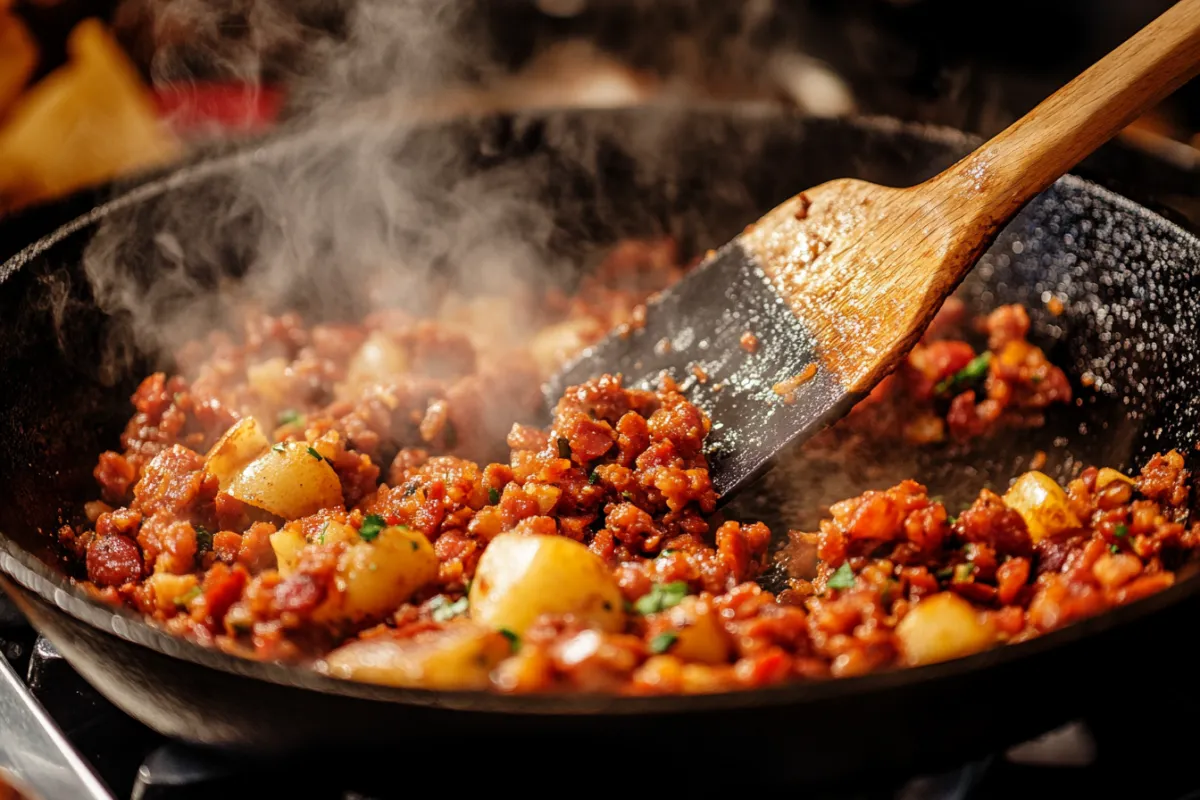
pixel 728 340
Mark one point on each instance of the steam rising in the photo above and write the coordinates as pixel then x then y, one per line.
pixel 366 215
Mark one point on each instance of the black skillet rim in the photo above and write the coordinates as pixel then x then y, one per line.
pixel 51 587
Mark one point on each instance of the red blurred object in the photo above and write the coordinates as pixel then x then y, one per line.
pixel 194 106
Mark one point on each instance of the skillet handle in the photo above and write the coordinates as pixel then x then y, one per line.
pixel 34 751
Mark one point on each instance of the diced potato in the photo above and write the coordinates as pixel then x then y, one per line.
pixel 240 445
pixel 172 591
pixel 269 379
pixel 1107 475
pixel 702 637
pixel 88 121
pixel 19 58
pixel 458 657
pixel 287 542
pixel 288 481
pixel 374 578
pixel 520 577
pixel 1043 505
pixel 943 627
pixel 378 358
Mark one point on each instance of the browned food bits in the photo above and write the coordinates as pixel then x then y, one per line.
pixel 749 342
pixel 365 473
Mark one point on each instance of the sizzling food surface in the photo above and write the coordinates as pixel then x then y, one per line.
pixel 357 498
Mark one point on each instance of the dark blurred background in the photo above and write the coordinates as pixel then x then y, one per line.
pixel 975 66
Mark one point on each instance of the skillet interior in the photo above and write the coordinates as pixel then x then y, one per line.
pixel 1125 277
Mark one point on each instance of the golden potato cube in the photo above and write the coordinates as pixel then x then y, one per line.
pixel 290 480
pixel 942 627
pixel 1043 505
pixel 520 577
pixel 87 122
pixel 461 657
pixel 172 591
pixel 375 577
pixel 702 637
pixel 237 447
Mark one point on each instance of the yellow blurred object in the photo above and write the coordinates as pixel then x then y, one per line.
pixel 18 57
pixel 87 122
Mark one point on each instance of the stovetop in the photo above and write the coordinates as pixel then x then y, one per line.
pixel 1120 754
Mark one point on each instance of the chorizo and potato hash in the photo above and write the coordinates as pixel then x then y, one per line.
pixel 356 497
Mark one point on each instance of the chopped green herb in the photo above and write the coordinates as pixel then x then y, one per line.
pixel 290 417
pixel 444 610
pixel 668 552
pixel 628 496
pixel 371 526
pixel 564 448
pixel 969 374
pixel 962 572
pixel 204 540
pixel 843 578
pixel 493 495
pixel 951 521
pixel 662 643
pixel 942 574
pixel 191 594
pixel 321 535
pixel 1121 530
pixel 411 489
pixel 312 451
pixel 593 476
pixel 661 597
pixel 514 641
pixel 278 448
pixel 450 435
pixel 1112 548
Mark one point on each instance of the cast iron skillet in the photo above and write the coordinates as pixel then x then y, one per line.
pixel 1128 282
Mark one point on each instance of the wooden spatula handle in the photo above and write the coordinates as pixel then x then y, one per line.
pixel 1047 142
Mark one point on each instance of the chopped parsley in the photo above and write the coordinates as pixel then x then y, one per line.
pixel 969 374
pixel 662 643
pixel 290 417
pixel 204 539
pixel 191 594
pixel 944 573
pixel 1120 531
pixel 1112 548
pixel 951 521
pixel 372 524
pixel 668 552
pixel 321 535
pixel 312 451
pixel 593 476
pixel 514 641
pixel 661 597
pixel 278 448
pixel 443 611
pixel 628 496
pixel 963 572
pixel 564 447
pixel 843 578
pixel 493 495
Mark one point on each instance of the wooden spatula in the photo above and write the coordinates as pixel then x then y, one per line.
pixel 839 282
